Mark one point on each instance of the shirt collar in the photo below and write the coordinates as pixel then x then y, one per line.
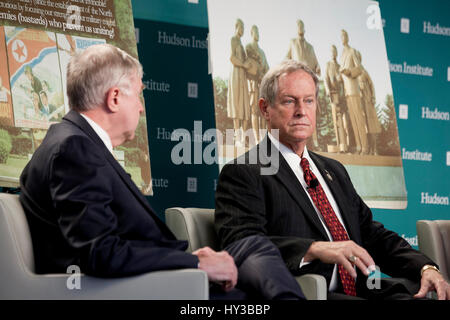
pixel 294 159
pixel 100 132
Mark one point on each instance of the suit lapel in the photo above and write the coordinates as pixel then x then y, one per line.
pixel 287 177
pixel 338 194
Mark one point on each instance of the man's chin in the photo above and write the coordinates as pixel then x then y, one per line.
pixel 298 139
pixel 301 135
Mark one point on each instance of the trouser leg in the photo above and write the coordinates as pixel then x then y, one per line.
pixel 262 270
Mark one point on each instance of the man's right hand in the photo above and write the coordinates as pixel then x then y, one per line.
pixel 341 252
pixel 219 266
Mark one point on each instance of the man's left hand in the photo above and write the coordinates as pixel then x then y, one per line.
pixel 432 280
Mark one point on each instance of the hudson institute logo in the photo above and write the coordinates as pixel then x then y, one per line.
pixel 435 29
pixel 159 86
pixel 403 111
pixel 416 155
pixel 435 114
pixel 404 25
pixel 406 68
pixel 435 199
pixel 179 41
pixel 191 184
pixel 160 183
pixel 192 90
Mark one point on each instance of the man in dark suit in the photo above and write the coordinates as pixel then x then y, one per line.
pixel 82 207
pixel 306 205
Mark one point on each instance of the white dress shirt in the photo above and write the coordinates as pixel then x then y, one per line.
pixel 104 136
pixel 293 161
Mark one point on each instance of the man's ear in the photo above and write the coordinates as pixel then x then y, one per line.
pixel 112 99
pixel 263 105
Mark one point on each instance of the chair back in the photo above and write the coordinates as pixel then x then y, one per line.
pixel 15 237
pixel 195 225
pixel 434 241
pixel 17 262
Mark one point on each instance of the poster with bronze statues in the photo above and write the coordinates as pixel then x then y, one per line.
pixel 343 43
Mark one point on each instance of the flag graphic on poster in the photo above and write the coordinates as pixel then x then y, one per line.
pixel 6 116
pixel 68 46
pixel 35 77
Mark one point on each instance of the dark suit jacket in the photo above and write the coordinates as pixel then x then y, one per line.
pixel 84 209
pixel 276 206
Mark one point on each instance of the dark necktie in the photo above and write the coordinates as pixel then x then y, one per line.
pixel 336 229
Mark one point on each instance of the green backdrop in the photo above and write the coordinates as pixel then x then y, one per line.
pixel 410 41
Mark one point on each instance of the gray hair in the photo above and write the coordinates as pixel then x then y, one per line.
pixel 269 84
pixel 91 73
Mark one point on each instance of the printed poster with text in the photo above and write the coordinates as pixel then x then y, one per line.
pixel 37 41
pixel 343 43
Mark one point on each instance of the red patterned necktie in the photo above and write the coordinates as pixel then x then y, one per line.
pixel 336 229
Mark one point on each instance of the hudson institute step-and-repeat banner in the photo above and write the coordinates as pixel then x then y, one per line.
pixel 178 91
pixel 418 42
pixel 37 40
pixel 397 153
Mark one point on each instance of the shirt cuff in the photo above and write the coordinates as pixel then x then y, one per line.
pixel 303 263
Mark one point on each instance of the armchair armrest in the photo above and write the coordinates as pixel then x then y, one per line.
pixel 314 286
pixel 185 284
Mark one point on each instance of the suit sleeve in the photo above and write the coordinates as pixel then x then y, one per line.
pixel 82 196
pixel 241 212
pixel 239 206
pixel 391 253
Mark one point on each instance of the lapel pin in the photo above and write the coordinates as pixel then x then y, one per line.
pixel 329 176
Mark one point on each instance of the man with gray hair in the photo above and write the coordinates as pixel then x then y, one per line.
pixel 308 209
pixel 82 207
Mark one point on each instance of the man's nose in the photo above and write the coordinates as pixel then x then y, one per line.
pixel 300 110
